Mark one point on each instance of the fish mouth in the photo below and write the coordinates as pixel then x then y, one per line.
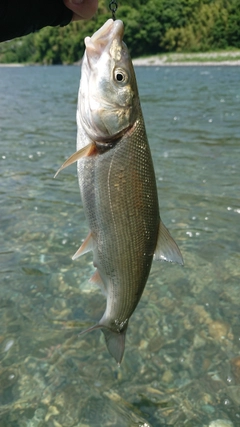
pixel 110 33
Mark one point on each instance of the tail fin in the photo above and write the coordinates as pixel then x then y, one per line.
pixel 115 343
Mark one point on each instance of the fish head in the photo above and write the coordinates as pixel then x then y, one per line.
pixel 108 95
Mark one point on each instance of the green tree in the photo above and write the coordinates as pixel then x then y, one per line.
pixel 233 31
pixel 151 26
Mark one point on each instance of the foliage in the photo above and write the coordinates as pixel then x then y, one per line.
pixel 151 26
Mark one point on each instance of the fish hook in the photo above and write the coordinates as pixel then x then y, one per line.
pixel 113 7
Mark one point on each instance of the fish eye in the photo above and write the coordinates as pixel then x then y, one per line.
pixel 120 76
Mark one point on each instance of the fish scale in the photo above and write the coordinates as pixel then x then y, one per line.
pixel 126 215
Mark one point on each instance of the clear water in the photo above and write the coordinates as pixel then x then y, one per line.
pixel 182 360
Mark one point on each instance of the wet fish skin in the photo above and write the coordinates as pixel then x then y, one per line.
pixel 124 218
pixel 117 183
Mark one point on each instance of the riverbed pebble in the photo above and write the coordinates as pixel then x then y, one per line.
pixel 221 423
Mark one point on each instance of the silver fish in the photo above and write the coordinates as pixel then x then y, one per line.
pixel 117 182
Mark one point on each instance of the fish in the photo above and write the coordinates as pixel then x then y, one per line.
pixel 117 183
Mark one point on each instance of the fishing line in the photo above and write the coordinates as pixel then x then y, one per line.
pixel 113 7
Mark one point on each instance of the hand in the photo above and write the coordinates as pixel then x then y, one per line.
pixel 82 9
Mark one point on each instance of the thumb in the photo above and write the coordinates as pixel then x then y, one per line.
pixel 82 9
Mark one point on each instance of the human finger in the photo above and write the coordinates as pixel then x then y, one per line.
pixel 82 9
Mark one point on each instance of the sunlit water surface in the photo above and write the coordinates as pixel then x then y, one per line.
pixel 182 361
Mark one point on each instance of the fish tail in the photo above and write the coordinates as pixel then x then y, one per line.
pixel 115 343
pixel 115 340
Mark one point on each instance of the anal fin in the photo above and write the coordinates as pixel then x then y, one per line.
pixel 167 249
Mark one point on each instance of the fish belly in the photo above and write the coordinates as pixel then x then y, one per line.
pixel 119 196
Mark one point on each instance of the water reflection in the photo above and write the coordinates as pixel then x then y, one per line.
pixel 182 363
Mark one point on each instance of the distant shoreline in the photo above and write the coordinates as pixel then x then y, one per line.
pixel 222 58
pixel 229 58
pixel 140 62
pixel 12 65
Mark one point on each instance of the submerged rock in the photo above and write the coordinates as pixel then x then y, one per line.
pixel 221 423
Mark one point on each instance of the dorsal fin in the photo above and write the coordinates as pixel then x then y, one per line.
pixel 167 249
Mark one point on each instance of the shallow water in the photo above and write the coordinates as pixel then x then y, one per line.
pixel 182 361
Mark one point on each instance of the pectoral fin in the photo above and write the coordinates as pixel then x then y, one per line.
pixel 89 150
pixel 166 248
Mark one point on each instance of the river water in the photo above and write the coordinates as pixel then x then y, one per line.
pixel 182 361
